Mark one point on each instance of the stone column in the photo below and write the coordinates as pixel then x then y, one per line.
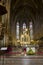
pixel 6 20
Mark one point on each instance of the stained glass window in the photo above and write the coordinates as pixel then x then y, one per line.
pixel 31 30
pixel 24 27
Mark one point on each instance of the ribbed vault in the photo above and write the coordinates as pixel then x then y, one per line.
pixel 26 9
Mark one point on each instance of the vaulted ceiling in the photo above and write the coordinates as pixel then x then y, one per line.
pixel 23 7
pixel 28 9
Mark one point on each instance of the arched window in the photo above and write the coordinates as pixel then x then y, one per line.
pixel 31 30
pixel 24 27
pixel 17 30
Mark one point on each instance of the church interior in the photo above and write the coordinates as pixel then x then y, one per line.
pixel 22 23
pixel 21 32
